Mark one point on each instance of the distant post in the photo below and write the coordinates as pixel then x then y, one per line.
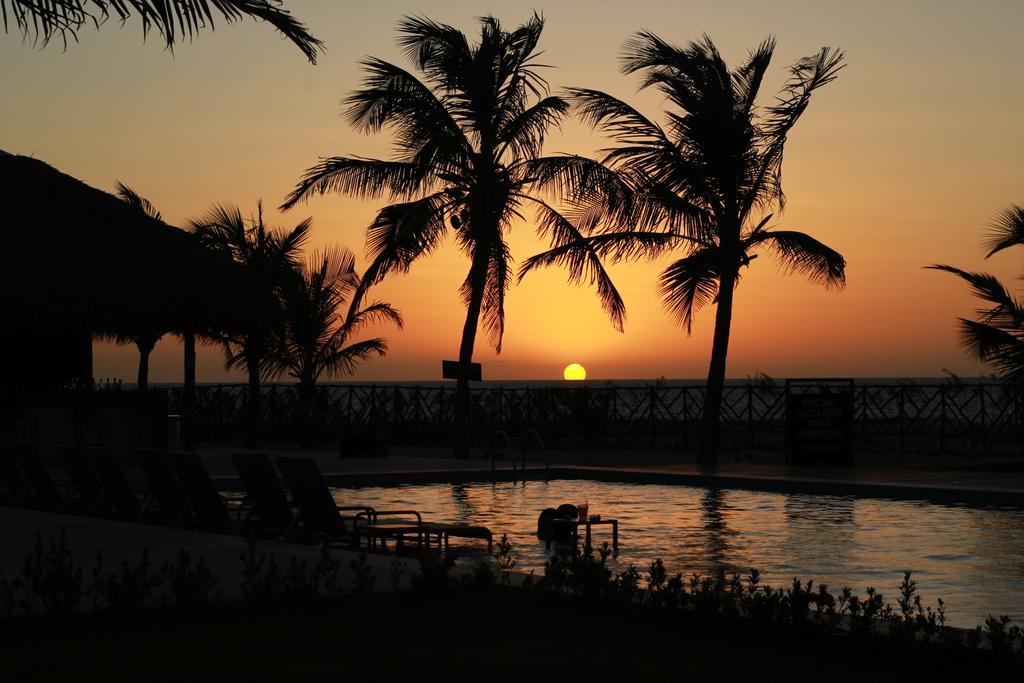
pixel 819 422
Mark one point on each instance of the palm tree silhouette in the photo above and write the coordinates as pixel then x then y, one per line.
pixel 705 183
pixel 40 21
pixel 469 135
pixel 270 255
pixel 316 338
pixel 997 336
pixel 147 332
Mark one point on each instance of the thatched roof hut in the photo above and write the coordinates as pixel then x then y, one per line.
pixel 76 262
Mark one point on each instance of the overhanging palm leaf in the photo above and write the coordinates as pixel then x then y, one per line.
pixel 39 21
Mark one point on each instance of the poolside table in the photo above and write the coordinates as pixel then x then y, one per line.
pixel 574 528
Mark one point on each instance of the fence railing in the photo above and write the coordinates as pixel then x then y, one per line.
pixel 908 417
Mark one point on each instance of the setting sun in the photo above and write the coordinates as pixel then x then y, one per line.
pixel 574 372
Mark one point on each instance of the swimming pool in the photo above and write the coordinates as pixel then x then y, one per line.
pixel 972 558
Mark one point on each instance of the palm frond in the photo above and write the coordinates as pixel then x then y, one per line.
pixel 439 50
pixel 572 249
pixel 806 76
pixel 616 118
pixel 40 21
pixel 747 79
pixel 524 134
pixel 985 286
pixel 499 279
pixel 361 178
pixel 578 179
pixel 424 123
pixel 689 284
pixel 401 233
pixel 798 252
pixel 1007 231
pixel 1003 348
pixel 375 313
pixel 134 199
pixel 345 360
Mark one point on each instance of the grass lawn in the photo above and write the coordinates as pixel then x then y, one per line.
pixel 463 635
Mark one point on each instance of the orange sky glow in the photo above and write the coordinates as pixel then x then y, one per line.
pixel 904 161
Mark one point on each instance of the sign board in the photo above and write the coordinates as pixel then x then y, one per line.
pixel 819 421
pixel 453 369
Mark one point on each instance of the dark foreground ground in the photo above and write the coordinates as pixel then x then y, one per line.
pixel 451 636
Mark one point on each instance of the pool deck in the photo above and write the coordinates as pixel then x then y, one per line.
pixel 949 481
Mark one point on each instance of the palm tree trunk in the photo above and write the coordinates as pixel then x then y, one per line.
pixel 252 403
pixel 188 424
pixel 478 274
pixel 145 348
pixel 307 387
pixel 710 432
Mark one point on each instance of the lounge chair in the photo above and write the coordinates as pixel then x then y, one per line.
pixel 318 514
pixel 117 491
pixel 40 489
pixel 163 490
pixel 207 507
pixel 86 488
pixel 267 501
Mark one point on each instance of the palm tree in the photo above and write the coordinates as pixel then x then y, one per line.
pixel 705 183
pixel 997 336
pixel 40 21
pixel 317 334
pixel 147 333
pixel 270 255
pixel 469 134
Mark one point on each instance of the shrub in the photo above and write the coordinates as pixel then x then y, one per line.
pixel 186 584
pixel 362 578
pixel 132 588
pixel 50 578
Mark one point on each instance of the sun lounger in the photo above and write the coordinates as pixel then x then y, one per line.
pixel 268 504
pixel 207 507
pixel 164 493
pixel 86 489
pixel 317 512
pixel 41 491
pixel 117 491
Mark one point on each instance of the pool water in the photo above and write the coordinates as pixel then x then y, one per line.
pixel 971 558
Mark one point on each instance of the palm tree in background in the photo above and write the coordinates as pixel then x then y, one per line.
pixel 271 256
pixel 148 333
pixel 316 338
pixel 706 184
pixel 469 135
pixel 997 336
pixel 40 21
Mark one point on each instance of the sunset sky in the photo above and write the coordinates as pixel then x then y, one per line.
pixel 903 161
